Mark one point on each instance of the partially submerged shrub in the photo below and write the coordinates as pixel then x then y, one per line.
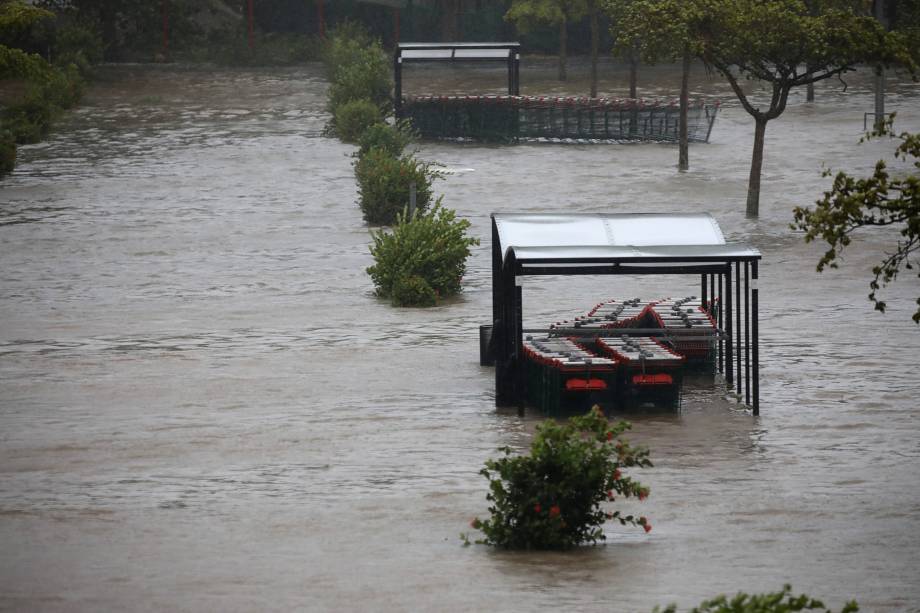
pixel 430 246
pixel 354 117
pixel 366 76
pixel 384 184
pixel 553 498
pixel 344 44
pixel 776 602
pixel 414 291
pixel 357 67
pixel 79 45
pixel 391 138
pixel 29 121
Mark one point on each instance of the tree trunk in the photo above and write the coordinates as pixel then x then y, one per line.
pixel 879 97
pixel 594 45
pixel 753 198
pixel 633 72
pixel 683 158
pixel 810 88
pixel 563 40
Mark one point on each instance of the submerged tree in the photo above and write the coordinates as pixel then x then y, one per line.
pixel 527 13
pixel 664 30
pixel 781 44
pixel 878 200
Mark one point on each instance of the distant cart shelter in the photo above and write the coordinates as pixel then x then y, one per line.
pixel 517 117
pixel 624 244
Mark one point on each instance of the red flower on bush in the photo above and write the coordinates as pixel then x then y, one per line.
pixel 609 494
pixel 617 474
pixel 610 435
pixel 643 494
pixel 554 511
pixel 537 508
pixel 648 528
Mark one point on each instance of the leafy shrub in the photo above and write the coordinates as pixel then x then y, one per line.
pixel 29 121
pixel 366 76
pixel 63 88
pixel 343 45
pixel 79 45
pixel 432 246
pixel 384 182
pixel 354 117
pixel 7 152
pixel 413 291
pixel 391 138
pixel 552 498
pixel 776 602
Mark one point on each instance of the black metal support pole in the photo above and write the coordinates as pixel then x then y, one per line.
pixel 499 323
pixel 755 342
pixel 729 367
pixel 517 73
pixel 712 292
pixel 738 327
pixel 397 82
pixel 703 292
pixel 720 323
pixel 747 334
pixel 520 376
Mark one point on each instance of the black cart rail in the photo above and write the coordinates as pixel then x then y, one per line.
pixel 511 118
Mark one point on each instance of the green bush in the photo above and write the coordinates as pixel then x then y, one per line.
pixel 367 76
pixel 7 153
pixel 552 498
pixel 50 93
pixel 413 291
pixel 344 45
pixel 357 68
pixel 78 45
pixel 384 184
pixel 354 117
pixel 30 121
pixel 432 246
pixel 390 138
pixel 63 88
pixel 776 602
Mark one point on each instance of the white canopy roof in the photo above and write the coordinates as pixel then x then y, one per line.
pixel 456 51
pixel 673 237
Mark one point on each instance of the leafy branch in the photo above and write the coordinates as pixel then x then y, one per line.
pixel 878 200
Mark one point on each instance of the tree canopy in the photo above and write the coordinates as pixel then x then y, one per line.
pixel 527 13
pixel 878 200
pixel 782 44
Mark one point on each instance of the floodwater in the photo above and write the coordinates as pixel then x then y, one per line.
pixel 204 407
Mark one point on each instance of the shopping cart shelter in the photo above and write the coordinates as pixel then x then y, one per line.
pixel 515 117
pixel 622 351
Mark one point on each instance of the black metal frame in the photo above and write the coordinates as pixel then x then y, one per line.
pixel 513 60
pixel 737 363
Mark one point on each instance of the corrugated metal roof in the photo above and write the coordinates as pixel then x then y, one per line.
pixel 672 237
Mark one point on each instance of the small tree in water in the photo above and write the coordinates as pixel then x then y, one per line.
pixel 552 498
pixel 663 30
pixel 780 43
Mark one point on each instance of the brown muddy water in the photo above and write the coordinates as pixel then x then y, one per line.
pixel 204 407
